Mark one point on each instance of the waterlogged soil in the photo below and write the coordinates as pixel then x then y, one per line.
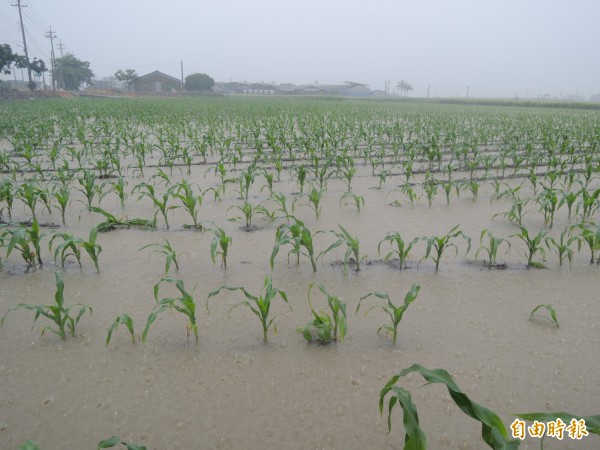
pixel 229 391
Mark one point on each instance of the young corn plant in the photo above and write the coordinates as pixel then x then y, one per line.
pixel 548 308
pixel 394 312
pixel 301 177
pixel 301 239
pixel 442 243
pixel 120 188
pixel 123 319
pixel 352 248
pixel 314 200
pixel 353 200
pixel 563 246
pixel 401 250
pixel 492 247
pixel 493 431
pixel 281 202
pixel 184 304
pixel 590 234
pixel 112 223
pixel 430 188
pixel 57 313
pixel 220 246
pixel 160 202
pixel 62 194
pixel 171 256
pixel 114 441
pixel 548 201
pixel 28 242
pixel 324 327
pixel 250 211
pixel 260 304
pixel 534 245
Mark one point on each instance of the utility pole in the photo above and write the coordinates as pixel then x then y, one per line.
pixel 181 77
pixel 19 5
pixel 62 75
pixel 387 86
pixel 428 89
pixel 51 35
pixel 468 89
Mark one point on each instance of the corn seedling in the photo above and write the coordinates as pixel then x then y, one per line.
pixel 314 200
pixel 430 188
pixel 352 199
pixel 259 304
pixel 562 246
pixel 534 245
pixel 493 432
pixel 114 441
pixel 472 186
pixel 394 312
pixel 281 201
pixel 166 249
pixel 590 234
pixel 249 211
pixel 352 248
pixel 590 202
pixel 301 177
pixel 69 247
pixel 29 445
pixel 160 202
pixel 28 242
pixel 324 327
pixel 220 246
pixel 402 248
pixel 123 319
pixel 120 187
pixel 112 223
pixel 548 308
pixel 184 304
pixel 448 187
pixel 548 201
pixel 57 313
pixel 301 239
pixel 492 247
pixel 29 193
pixel 7 194
pixel 62 195
pixel 442 243
pixel 569 199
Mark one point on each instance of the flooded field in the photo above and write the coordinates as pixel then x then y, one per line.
pixel 229 390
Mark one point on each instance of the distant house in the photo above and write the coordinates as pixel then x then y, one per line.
pixel 157 82
pixel 595 98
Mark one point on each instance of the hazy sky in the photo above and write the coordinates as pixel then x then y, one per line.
pixel 498 48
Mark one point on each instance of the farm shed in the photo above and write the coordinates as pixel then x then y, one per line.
pixel 157 82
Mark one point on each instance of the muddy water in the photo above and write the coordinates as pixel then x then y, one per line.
pixel 231 391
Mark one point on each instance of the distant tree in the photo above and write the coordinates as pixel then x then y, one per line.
pixel 404 87
pixel 76 73
pixel 7 58
pixel 199 82
pixel 127 76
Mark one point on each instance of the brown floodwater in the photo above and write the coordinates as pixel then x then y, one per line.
pixel 229 391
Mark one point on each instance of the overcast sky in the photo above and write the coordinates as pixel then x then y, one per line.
pixel 500 48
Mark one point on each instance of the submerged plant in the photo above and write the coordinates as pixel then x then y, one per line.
pixel 352 247
pixel 301 239
pixel 123 319
pixel 220 246
pixel 184 304
pixel 402 248
pixel 114 441
pixel 442 243
pixel 324 327
pixel 112 223
pixel 548 308
pixel 57 313
pixel 534 245
pixel 259 304
pixel 492 248
pixel 166 249
pixel 394 312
